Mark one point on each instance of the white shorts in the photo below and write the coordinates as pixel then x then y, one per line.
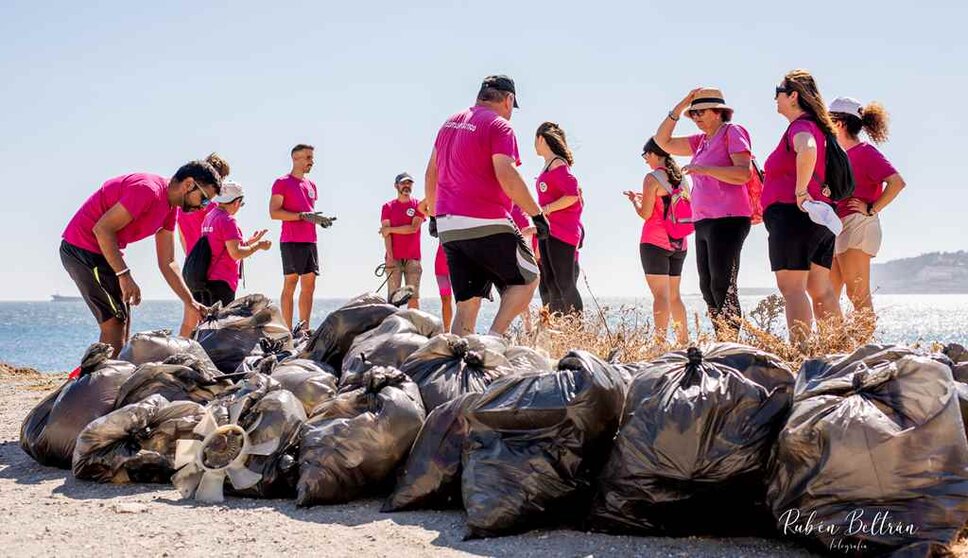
pixel 861 232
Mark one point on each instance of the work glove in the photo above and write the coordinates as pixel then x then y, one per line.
pixel 317 218
pixel 541 226
pixel 432 227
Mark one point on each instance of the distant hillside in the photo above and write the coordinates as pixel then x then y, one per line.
pixel 934 273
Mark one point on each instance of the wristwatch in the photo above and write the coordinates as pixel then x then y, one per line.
pixel 870 209
pixel 673 117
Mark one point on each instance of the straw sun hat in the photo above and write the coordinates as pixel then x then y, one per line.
pixel 709 98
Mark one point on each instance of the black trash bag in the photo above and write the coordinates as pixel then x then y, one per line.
pixel 269 350
pixel 312 383
pixel 353 443
pixel 431 476
pixel 271 417
pixel 536 443
pixel 333 337
pixel 157 345
pixel 525 360
pixel 50 430
pixel 179 378
pixel 449 366
pixel 389 344
pixel 135 443
pixel 232 333
pixel 956 352
pixel 874 440
pixel 691 455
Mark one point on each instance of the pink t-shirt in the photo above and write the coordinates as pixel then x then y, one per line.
pixel 552 185
pixel 190 225
pixel 466 182
pixel 712 198
pixel 145 196
pixel 871 169
pixel 519 217
pixel 440 262
pixel 297 196
pixel 780 170
pixel 220 227
pixel 405 246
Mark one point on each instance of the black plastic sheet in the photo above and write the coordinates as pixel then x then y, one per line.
pixel 697 431
pixel 875 434
pixel 50 430
pixel 353 443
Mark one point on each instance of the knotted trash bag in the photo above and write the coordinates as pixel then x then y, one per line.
pixel 354 442
pixel 332 339
pixel 157 345
pixel 873 457
pixel 269 350
pixel 50 430
pixel 431 476
pixel 449 366
pixel 536 443
pixel 690 457
pixel 312 383
pixel 248 437
pixel 179 378
pixel 390 343
pixel 135 443
pixel 232 333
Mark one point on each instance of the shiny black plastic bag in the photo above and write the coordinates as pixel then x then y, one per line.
pixel 312 383
pixel 50 430
pixel 697 431
pixel 333 337
pixel 158 345
pixel 872 433
pixel 353 443
pixel 232 333
pixel 390 343
pixel 536 443
pixel 179 378
pixel 431 476
pixel 449 366
pixel 135 443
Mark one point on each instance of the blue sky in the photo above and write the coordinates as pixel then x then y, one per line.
pixel 117 87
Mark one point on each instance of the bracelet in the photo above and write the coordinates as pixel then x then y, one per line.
pixel 870 209
pixel 673 117
pixel 122 272
pixel 802 194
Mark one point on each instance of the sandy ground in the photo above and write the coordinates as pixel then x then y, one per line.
pixel 45 511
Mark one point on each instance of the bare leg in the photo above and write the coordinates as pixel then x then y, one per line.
pixel 679 320
pixel 285 300
pixel 826 307
pixel 446 311
pixel 659 285
pixel 307 288
pixel 465 320
pixel 799 315
pixel 855 266
pixel 514 300
pixel 114 333
pixel 836 277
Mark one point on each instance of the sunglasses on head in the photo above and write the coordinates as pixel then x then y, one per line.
pixel 782 89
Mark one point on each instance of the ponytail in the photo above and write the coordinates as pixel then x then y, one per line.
pixel 220 164
pixel 874 120
pixel 671 166
pixel 554 136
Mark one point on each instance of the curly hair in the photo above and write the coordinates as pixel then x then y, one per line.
pixel 671 167
pixel 555 137
pixel 873 121
pixel 220 164
pixel 809 98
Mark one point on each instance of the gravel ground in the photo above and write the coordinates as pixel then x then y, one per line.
pixel 44 511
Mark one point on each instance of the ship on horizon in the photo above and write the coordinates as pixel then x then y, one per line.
pixel 60 298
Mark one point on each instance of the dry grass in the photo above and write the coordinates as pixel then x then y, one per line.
pixel 627 333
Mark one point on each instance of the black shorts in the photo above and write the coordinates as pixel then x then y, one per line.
pixel 659 261
pixel 795 241
pixel 215 291
pixel 299 258
pixel 501 260
pixel 96 280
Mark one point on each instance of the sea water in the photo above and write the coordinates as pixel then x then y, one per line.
pixel 52 336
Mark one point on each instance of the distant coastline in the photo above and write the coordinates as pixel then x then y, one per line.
pixel 932 273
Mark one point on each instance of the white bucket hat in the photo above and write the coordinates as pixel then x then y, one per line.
pixel 231 191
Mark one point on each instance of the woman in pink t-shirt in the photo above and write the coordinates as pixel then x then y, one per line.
pixel 861 237
pixel 561 202
pixel 801 251
pixel 720 168
pixel 662 257
pixel 442 274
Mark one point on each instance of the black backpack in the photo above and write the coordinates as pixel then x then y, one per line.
pixel 195 271
pixel 839 183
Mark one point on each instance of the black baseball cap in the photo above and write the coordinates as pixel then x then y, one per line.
pixel 501 83
pixel 403 177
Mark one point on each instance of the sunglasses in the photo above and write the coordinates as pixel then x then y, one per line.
pixel 205 199
pixel 782 89
pixel 693 113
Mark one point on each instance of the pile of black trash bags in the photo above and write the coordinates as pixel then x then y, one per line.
pixel 865 452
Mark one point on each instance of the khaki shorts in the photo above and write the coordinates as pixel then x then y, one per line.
pixel 411 272
pixel 861 232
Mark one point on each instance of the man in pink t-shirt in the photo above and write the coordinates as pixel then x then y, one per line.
pixel 293 200
pixel 472 181
pixel 400 221
pixel 124 210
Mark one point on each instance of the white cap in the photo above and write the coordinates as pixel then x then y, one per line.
pixel 231 191
pixel 846 105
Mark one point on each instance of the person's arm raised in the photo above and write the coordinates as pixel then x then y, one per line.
pixel 238 251
pixel 663 136
pixel 106 232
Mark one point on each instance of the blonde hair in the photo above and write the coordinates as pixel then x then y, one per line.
pixel 809 98
pixel 220 164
